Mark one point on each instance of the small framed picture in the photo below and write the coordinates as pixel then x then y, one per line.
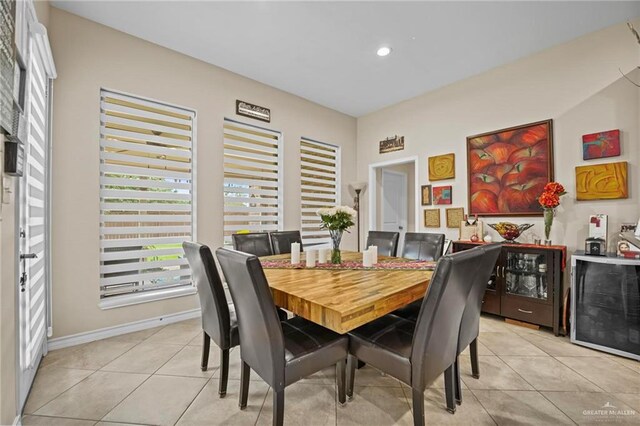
pixel 454 217
pixel 426 195
pixel 442 195
pixel 432 218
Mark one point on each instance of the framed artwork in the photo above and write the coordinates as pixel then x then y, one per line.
pixel 442 195
pixel 601 145
pixel 432 218
pixel 508 169
pixel 454 216
pixel 442 167
pixel 426 195
pixel 606 181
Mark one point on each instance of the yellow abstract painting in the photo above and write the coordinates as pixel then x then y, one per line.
pixel 442 167
pixel 602 181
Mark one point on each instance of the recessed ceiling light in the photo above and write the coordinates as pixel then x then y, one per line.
pixel 384 51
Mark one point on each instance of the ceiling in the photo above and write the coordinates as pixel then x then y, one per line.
pixel 326 51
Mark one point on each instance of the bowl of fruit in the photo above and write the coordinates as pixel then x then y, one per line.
pixel 510 231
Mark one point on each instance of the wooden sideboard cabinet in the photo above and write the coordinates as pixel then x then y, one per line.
pixel 526 283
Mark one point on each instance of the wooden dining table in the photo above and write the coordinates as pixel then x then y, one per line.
pixel 344 299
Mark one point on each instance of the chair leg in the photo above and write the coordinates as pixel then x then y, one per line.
pixel 340 378
pixel 351 368
pixel 206 345
pixel 224 372
pixel 449 389
pixel 278 407
pixel 245 372
pixel 475 366
pixel 418 407
pixel 457 381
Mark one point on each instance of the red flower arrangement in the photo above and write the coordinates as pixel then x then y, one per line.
pixel 549 200
pixel 550 197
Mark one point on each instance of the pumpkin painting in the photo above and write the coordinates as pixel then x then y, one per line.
pixel 508 169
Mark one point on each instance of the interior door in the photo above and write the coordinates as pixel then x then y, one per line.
pixel 34 223
pixel 394 202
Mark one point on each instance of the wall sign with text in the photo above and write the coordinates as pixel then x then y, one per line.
pixel 253 111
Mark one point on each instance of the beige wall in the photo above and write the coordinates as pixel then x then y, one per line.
pixel 90 56
pixel 577 84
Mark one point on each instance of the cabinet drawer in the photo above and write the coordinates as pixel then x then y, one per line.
pixel 491 302
pixel 529 311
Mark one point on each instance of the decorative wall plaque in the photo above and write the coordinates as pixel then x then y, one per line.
pixel 391 144
pixel 253 111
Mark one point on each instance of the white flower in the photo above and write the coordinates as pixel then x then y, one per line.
pixel 334 210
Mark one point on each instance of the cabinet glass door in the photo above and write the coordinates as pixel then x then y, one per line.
pixel 525 274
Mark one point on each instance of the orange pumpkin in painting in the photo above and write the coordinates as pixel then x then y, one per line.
pixel 508 169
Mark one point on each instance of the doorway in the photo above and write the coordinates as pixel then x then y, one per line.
pixel 33 208
pixel 392 197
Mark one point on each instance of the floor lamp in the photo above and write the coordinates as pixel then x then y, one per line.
pixel 358 187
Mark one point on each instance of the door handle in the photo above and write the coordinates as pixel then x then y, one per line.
pixel 401 227
pixel 29 256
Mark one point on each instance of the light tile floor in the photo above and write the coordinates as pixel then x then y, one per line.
pixel 153 377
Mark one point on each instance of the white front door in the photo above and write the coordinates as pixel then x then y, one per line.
pixel 394 202
pixel 34 223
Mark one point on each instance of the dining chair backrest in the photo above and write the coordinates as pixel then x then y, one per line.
pixel 256 243
pixel 261 338
pixel 281 241
pixel 423 246
pixel 435 340
pixel 470 324
pixel 213 302
pixel 387 242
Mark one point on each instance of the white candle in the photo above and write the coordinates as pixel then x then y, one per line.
pixel 322 255
pixel 367 259
pixel 295 253
pixel 311 258
pixel 374 254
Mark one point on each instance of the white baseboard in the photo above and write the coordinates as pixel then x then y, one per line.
pixel 104 333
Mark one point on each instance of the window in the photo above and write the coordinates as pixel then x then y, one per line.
pixel 319 187
pixel 146 198
pixel 252 179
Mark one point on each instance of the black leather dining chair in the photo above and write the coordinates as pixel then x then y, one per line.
pixel 470 324
pixel 423 246
pixel 218 321
pixel 280 352
pixel 256 243
pixel 387 242
pixel 281 241
pixel 416 353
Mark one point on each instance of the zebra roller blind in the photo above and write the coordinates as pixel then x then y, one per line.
pixel 319 187
pixel 252 179
pixel 146 194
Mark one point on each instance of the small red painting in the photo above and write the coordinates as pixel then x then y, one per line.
pixel 442 195
pixel 601 145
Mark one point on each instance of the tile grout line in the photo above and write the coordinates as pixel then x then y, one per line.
pixel 580 374
pixel 143 382
pixel 558 407
pixel 483 407
pixel 192 400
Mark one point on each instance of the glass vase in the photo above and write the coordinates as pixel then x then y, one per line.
pixel 548 222
pixel 336 237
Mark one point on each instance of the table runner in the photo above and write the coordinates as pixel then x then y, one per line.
pixel 355 265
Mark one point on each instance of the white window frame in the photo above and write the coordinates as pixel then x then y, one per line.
pixel 324 242
pixel 161 293
pixel 279 210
